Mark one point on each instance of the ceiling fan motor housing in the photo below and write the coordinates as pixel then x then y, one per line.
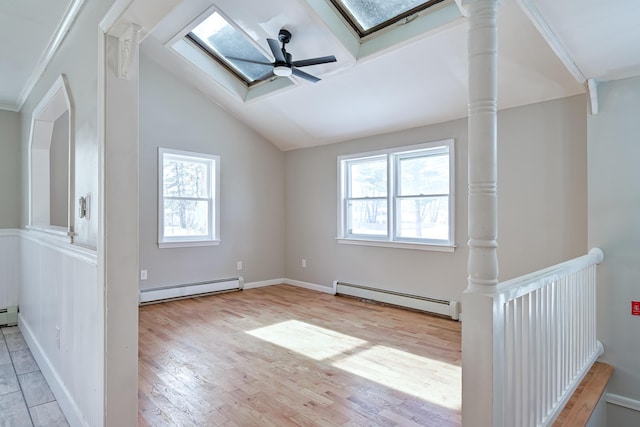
pixel 284 66
pixel 284 36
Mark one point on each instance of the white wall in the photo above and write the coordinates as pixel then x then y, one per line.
pixel 9 169
pixel 9 206
pixel 614 226
pixel 77 58
pixel 9 267
pixel 59 281
pixel 542 205
pixel 542 185
pixel 175 115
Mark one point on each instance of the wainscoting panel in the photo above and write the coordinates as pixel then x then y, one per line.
pixel 61 318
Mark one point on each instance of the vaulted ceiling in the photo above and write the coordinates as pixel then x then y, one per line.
pixel 412 74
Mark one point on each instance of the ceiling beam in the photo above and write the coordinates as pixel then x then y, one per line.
pixel 532 12
pixel 592 86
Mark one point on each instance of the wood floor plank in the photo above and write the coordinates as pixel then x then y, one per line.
pixel 582 403
pixel 285 356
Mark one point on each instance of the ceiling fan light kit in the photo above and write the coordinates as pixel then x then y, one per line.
pixel 282 71
pixel 284 66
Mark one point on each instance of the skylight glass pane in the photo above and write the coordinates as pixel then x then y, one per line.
pixel 224 40
pixel 371 13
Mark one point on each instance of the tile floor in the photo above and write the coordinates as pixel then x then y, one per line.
pixel 25 397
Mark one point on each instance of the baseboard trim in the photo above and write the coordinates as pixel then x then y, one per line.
pixel 298 283
pixel 312 286
pixel 263 283
pixel 62 394
pixel 625 402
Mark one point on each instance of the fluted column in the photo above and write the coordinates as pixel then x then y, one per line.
pixel 481 384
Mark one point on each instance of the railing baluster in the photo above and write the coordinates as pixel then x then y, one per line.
pixel 550 339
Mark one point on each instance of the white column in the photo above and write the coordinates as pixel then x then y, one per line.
pixel 479 387
pixel 120 237
pixel 121 30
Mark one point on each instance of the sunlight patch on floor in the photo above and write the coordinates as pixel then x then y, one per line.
pixel 309 340
pixel 425 378
pixel 422 377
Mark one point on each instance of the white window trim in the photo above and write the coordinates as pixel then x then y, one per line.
pixel 213 239
pixel 388 241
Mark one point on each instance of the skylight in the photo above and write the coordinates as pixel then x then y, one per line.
pixel 220 39
pixel 367 16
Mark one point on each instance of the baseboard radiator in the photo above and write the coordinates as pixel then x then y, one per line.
pixel 431 305
pixel 189 290
pixel 9 316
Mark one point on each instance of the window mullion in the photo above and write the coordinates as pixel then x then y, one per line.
pixel 391 217
pixel 195 199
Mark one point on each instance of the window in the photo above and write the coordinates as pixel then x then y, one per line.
pixel 216 36
pixel 367 17
pixel 402 197
pixel 188 201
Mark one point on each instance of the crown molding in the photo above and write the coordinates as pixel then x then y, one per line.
pixel 54 44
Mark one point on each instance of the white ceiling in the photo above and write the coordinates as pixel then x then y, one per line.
pixel 27 28
pixel 413 75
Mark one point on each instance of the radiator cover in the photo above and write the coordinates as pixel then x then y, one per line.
pixel 9 316
pixel 416 302
pixel 189 290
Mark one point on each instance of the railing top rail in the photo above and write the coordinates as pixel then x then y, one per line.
pixel 522 285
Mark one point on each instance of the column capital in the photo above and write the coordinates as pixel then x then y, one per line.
pixel 128 43
pixel 464 5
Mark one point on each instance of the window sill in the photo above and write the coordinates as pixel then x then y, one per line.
pixel 164 245
pixel 60 233
pixel 397 245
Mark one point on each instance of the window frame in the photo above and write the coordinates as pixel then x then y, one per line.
pixel 362 32
pixel 193 39
pixel 393 157
pixel 213 199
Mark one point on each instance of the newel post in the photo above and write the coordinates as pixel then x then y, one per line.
pixel 481 406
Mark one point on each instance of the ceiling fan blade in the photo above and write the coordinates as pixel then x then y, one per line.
pixel 306 76
pixel 314 61
pixel 233 58
pixel 275 49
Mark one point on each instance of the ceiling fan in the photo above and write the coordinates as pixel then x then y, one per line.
pixel 283 66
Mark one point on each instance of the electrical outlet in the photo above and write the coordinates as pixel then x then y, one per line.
pixel 58 337
pixel 143 274
pixel 304 263
pixel 239 265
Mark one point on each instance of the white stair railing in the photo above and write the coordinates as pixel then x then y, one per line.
pixel 544 340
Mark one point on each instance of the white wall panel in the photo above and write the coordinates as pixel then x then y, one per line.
pixel 61 317
pixel 9 273
pixel 614 226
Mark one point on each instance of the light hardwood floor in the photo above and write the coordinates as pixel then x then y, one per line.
pixel 284 356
